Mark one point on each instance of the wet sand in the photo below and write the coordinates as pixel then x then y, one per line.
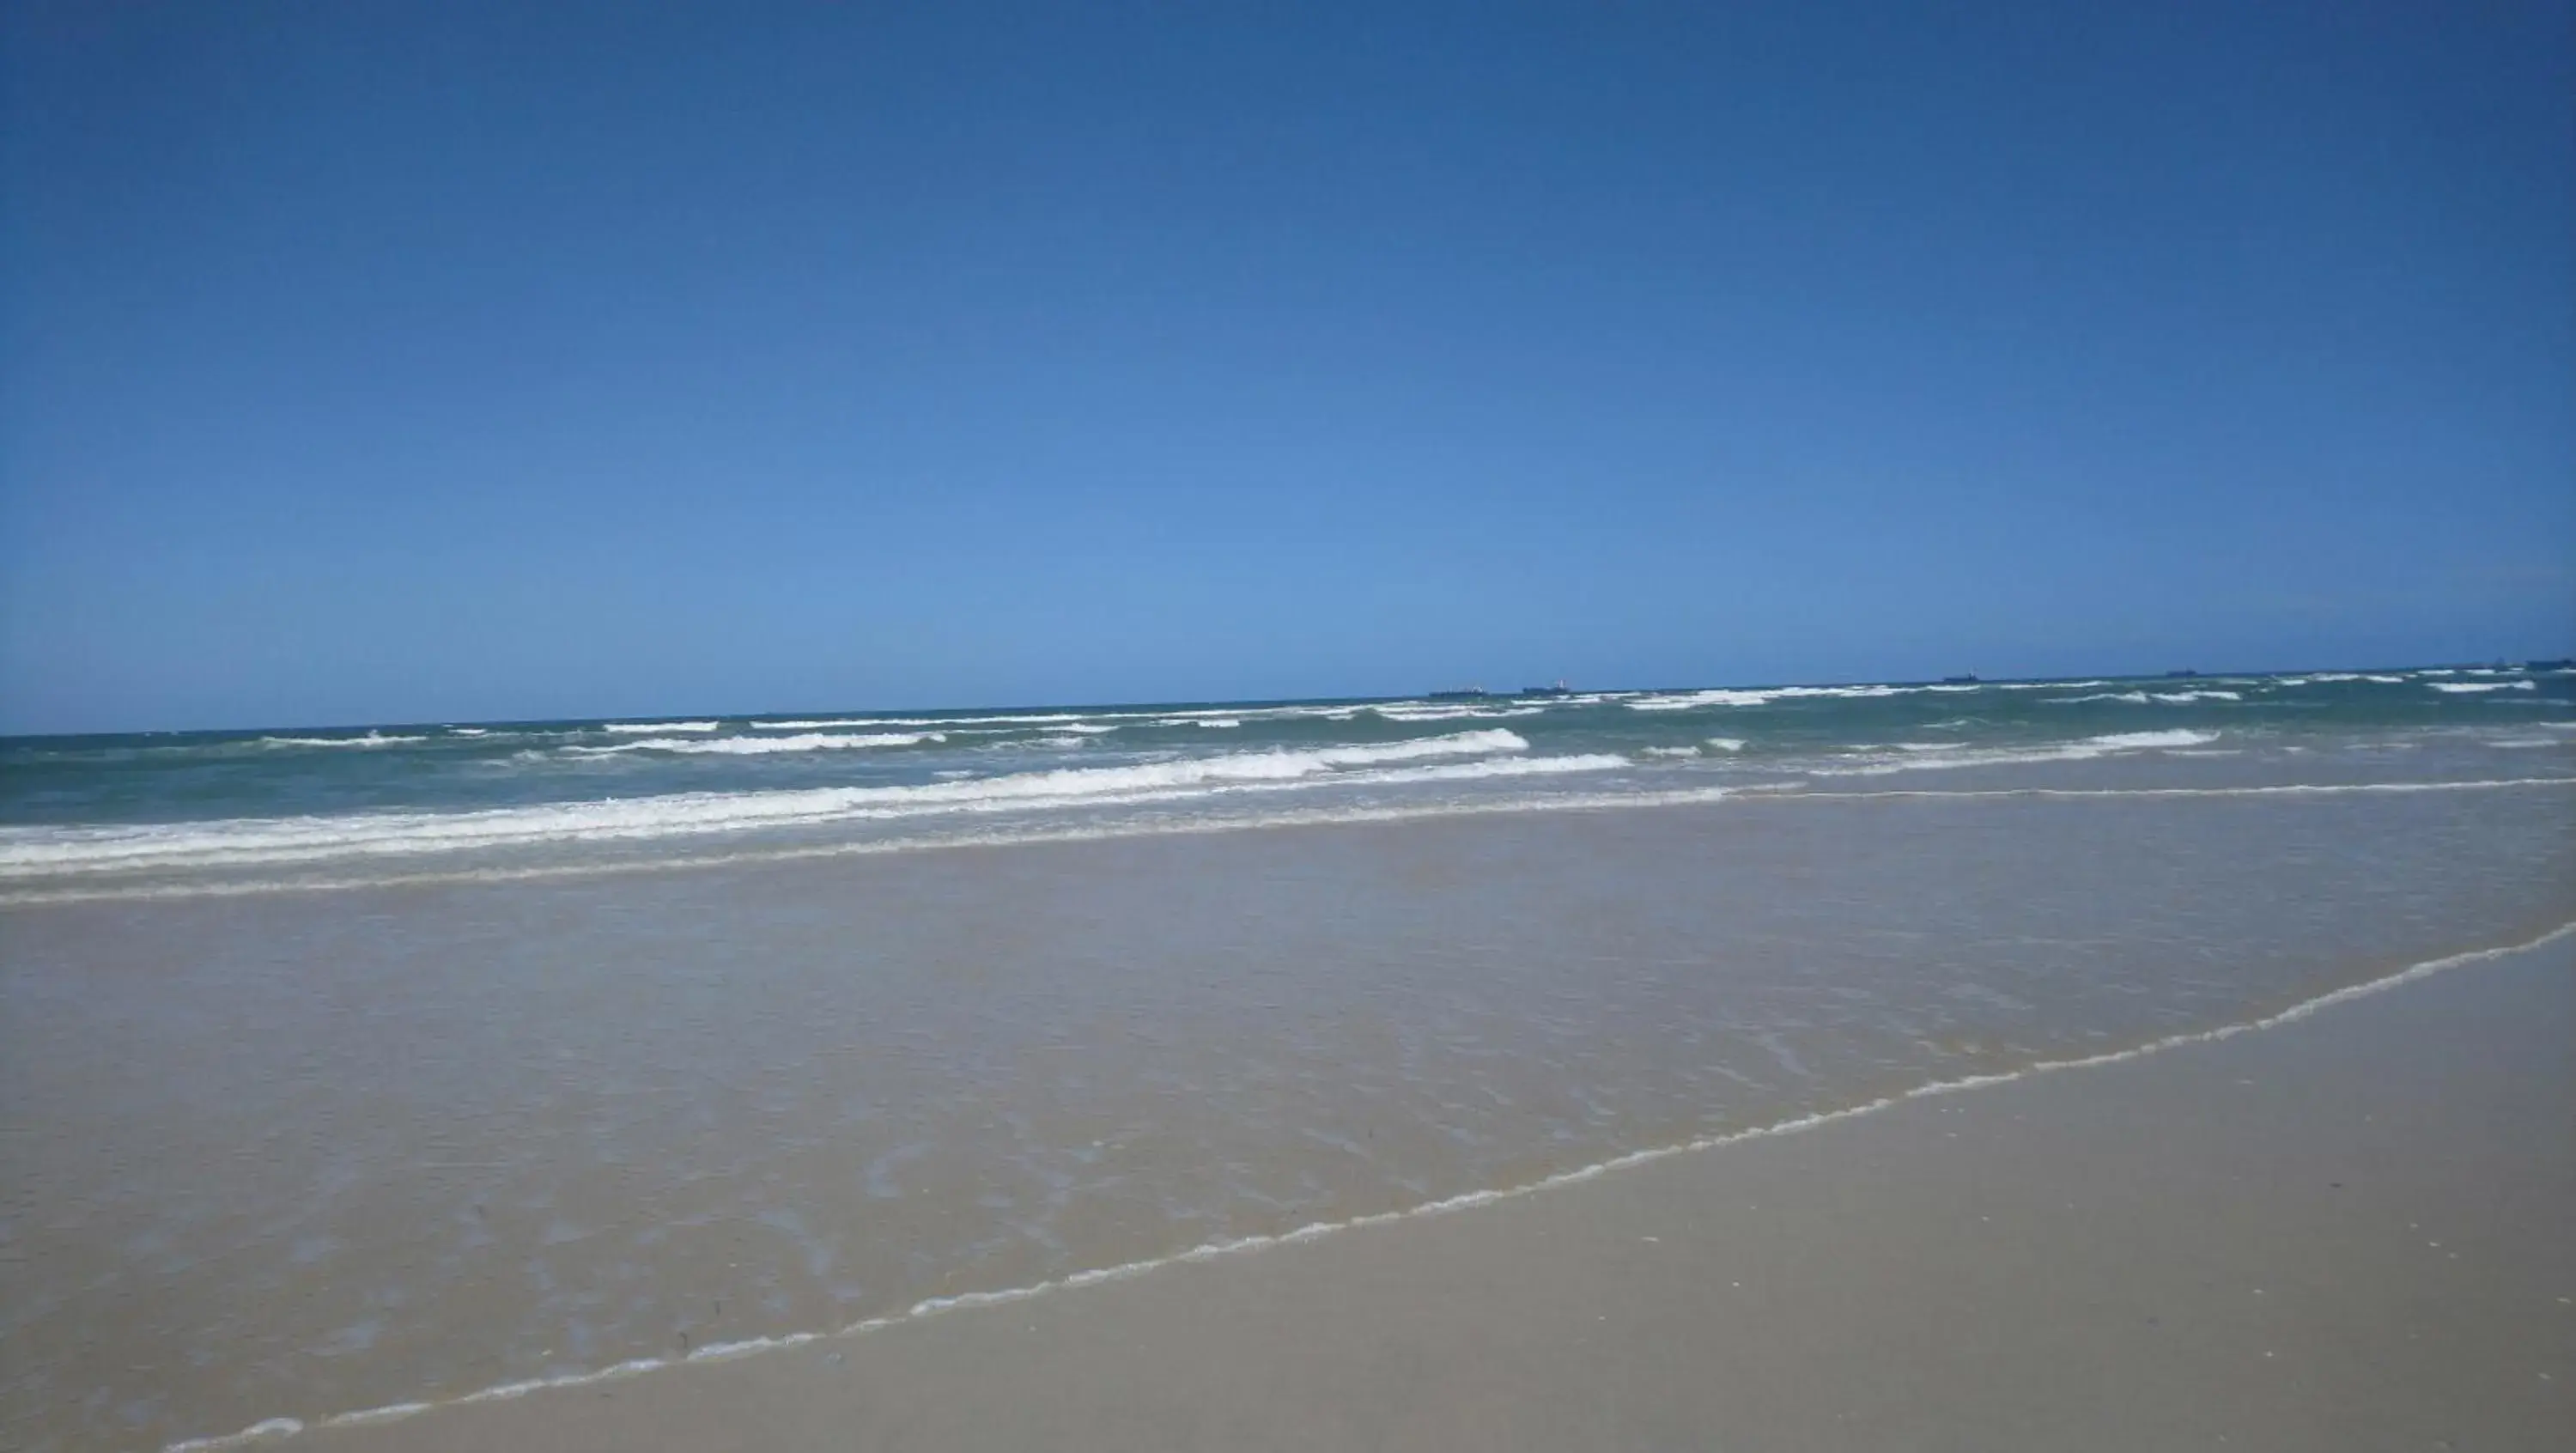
pixel 2346 1232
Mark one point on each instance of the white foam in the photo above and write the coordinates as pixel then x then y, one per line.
pixel 371 739
pixel 824 724
pixel 1791 790
pixel 469 731
pixel 1089 729
pixel 1453 713
pixel 1491 767
pixel 1672 751
pixel 764 746
pixel 1452 1205
pixel 640 728
pixel 1932 756
pixel 2133 698
pixel 2133 741
pixel 260 841
pixel 1727 744
pixel 2179 697
pixel 271 1428
pixel 1012 719
pixel 1764 696
pixel 1059 718
pixel 2462 688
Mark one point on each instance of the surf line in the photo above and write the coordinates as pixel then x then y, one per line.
pixel 279 1428
pixel 1326 817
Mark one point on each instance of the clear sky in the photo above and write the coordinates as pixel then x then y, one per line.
pixel 372 362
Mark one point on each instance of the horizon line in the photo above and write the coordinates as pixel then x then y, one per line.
pixel 2177 673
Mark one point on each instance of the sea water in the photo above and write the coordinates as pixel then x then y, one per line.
pixel 352 1069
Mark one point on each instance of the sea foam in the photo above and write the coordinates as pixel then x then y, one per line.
pixel 765 746
pixel 252 841
pixel 1763 696
pixel 1228 1248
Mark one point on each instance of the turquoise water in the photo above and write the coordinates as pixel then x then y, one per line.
pixel 166 811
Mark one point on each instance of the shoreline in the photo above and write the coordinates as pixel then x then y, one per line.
pixel 406 1426
pixel 63 890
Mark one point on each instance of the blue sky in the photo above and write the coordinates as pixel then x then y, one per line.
pixel 376 362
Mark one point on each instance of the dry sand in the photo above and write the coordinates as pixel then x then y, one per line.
pixel 2355 1231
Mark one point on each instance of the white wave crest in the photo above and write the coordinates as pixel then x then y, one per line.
pixel 1058 718
pixel 642 728
pixel 249 841
pixel 2141 698
pixel 2133 741
pixel 371 739
pixel 1406 713
pixel 2463 688
pixel 1724 696
pixel 1920 756
pixel 1168 825
pixel 1496 767
pixel 765 746
pixel 1727 744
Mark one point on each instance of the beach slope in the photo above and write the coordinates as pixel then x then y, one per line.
pixel 2348 1231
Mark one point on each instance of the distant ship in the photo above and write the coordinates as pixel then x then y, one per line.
pixel 1463 693
pixel 1559 689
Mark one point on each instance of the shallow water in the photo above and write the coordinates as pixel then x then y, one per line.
pixel 348 1069
pixel 301 1153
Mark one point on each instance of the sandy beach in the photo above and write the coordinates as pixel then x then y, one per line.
pixel 2348 1231
pixel 1140 728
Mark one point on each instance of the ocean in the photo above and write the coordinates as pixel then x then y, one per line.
pixel 349 1072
